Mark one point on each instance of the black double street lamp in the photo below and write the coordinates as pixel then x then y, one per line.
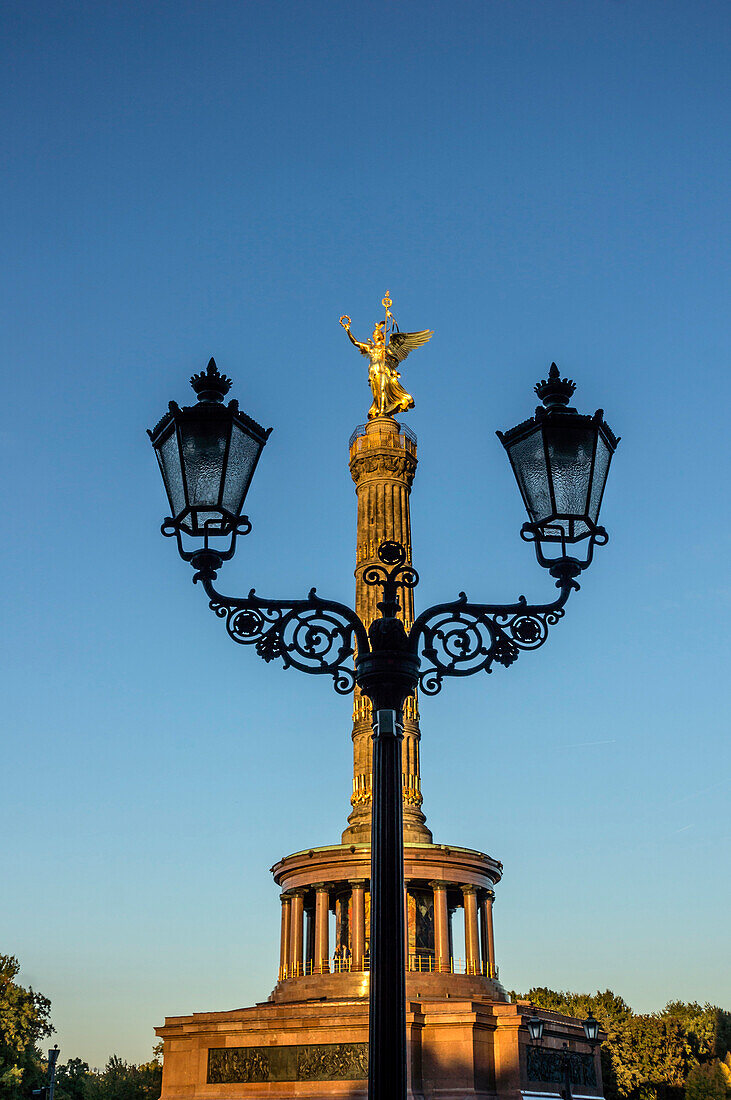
pixel 208 454
pixel 591 1031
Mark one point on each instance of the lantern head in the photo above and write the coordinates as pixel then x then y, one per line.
pixel 207 454
pixel 561 459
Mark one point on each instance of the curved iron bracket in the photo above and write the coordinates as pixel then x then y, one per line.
pixel 313 635
pixel 461 638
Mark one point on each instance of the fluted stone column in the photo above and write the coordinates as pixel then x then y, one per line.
pixel 471 935
pixel 357 931
pixel 296 968
pixel 441 928
pixel 488 936
pixel 285 936
pixel 309 947
pixel 383 464
pixel 321 960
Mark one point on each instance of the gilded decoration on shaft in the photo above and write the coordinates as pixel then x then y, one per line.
pixel 307 1062
pixel 361 789
pixel 548 1065
pixel 387 348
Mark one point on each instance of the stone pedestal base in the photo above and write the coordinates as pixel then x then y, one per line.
pixel 458 1049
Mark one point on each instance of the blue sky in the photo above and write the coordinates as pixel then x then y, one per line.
pixel 534 181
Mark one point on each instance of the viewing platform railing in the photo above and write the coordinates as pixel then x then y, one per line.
pixel 404 430
pixel 417 964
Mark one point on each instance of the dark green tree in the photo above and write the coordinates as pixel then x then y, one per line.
pixel 120 1081
pixel 23 1023
pixel 706 1082
pixel 71 1080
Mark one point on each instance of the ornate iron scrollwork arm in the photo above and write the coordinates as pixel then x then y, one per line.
pixel 313 635
pixel 460 638
pixel 396 574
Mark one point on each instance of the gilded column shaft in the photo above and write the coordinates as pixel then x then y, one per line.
pixel 382 464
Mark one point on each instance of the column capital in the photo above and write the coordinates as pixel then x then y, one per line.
pixel 489 895
pixel 285 896
pixel 299 892
pixel 468 888
pixel 320 887
pixel 440 884
pixel 357 882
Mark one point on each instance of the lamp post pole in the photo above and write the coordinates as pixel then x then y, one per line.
pixel 52 1059
pixel 566 1072
pixel 387 1007
pixel 207 455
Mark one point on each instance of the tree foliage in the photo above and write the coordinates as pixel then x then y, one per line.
pixel 651 1057
pixel 117 1081
pixel 23 1023
pixel 71 1080
pixel 725 1068
pixel 706 1081
pixel 120 1081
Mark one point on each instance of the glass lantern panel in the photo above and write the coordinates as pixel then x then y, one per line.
pixel 203 445
pixel 570 450
pixel 205 522
pixel 242 456
pixel 601 469
pixel 529 463
pixel 168 456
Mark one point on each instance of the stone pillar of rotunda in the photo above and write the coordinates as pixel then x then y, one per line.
pixel 296 940
pixel 358 925
pixel 488 935
pixel 382 465
pixel 471 935
pixel 441 928
pixel 321 961
pixel 284 944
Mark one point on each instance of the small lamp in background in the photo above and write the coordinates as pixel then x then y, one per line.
pixel 535 1027
pixel 591 1028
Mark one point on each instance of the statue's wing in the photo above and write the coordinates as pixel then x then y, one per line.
pixel 401 343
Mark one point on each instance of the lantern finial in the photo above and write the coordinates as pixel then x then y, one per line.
pixel 555 391
pixel 211 385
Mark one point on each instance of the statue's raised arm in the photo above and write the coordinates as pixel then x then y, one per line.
pixel 389 396
pixel 346 322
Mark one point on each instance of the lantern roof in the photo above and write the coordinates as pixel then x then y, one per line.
pixel 211 387
pixel 555 392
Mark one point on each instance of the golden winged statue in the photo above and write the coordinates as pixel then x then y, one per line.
pixel 387 348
